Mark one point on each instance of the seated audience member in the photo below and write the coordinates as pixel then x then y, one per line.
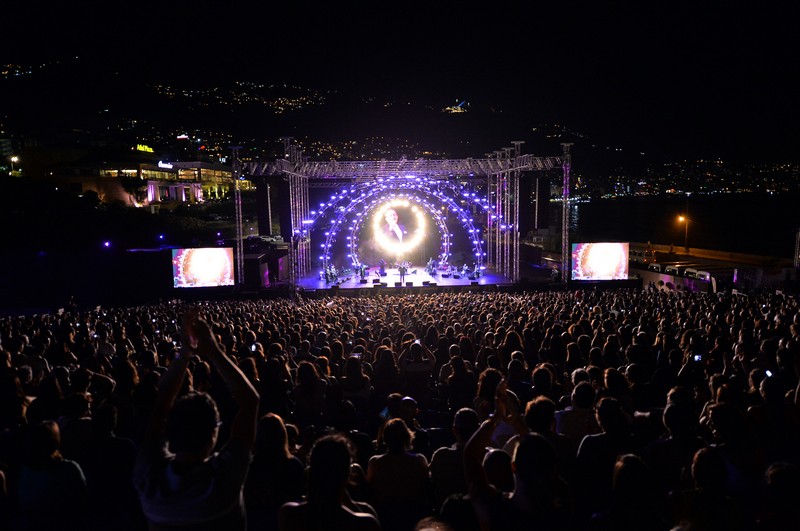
pixel 328 507
pixel 781 491
pixel 670 457
pixel 540 418
pixel 399 481
pixel 635 500
pixel 75 424
pixel 578 420
pixel 107 461
pixel 597 455
pixel 181 481
pixel 309 396
pixel 48 491
pixel 497 464
pixel 540 499
pixel 706 505
pixel 447 463
pixel 276 476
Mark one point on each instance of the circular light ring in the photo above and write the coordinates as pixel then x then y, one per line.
pixel 369 189
pixel 398 199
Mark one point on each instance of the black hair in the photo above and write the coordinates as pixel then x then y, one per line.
pixel 191 422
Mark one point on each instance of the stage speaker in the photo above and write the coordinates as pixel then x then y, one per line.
pixel 473 283
pixel 363 280
pixel 384 284
pixel 426 282
pixel 398 284
pixel 433 284
pixel 376 281
pixel 409 284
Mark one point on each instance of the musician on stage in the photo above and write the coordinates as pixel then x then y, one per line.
pixel 402 268
pixel 430 268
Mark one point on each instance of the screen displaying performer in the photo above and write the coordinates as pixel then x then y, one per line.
pixel 397 228
pixel 393 229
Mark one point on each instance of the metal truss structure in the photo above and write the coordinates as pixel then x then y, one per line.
pixel 500 172
pixel 237 198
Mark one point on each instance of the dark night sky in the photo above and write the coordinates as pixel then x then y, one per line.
pixel 689 78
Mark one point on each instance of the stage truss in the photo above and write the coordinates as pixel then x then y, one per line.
pixel 499 173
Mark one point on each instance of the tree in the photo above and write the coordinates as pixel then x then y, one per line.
pixel 135 187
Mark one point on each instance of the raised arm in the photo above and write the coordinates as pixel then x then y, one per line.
pixel 201 337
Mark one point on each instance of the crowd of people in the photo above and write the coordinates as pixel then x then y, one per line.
pixel 555 410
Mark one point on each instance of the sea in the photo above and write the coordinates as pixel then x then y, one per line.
pixel 758 224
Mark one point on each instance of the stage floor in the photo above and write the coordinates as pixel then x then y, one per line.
pixel 417 278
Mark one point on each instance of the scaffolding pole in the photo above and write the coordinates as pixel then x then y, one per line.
pixel 565 249
pixel 237 201
pixel 516 234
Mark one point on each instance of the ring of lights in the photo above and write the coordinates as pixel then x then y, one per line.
pixel 367 200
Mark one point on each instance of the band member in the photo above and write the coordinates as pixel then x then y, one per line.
pixel 402 268
pixel 382 267
pixel 430 267
pixel 331 275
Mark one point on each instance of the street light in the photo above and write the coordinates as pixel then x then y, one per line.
pixel 13 160
pixel 685 221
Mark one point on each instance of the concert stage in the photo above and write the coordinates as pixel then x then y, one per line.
pixel 417 279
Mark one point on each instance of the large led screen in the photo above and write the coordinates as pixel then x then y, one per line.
pixel 600 261
pixel 203 267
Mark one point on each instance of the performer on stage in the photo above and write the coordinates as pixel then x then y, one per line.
pixel 382 267
pixel 430 267
pixel 402 267
pixel 331 275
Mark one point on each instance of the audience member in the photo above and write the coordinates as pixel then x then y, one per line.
pixel 181 480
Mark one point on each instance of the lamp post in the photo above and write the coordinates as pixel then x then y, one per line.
pixel 13 160
pixel 685 221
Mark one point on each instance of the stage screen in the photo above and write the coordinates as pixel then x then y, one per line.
pixel 600 261
pixel 203 267
pixel 398 226
pixel 397 230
